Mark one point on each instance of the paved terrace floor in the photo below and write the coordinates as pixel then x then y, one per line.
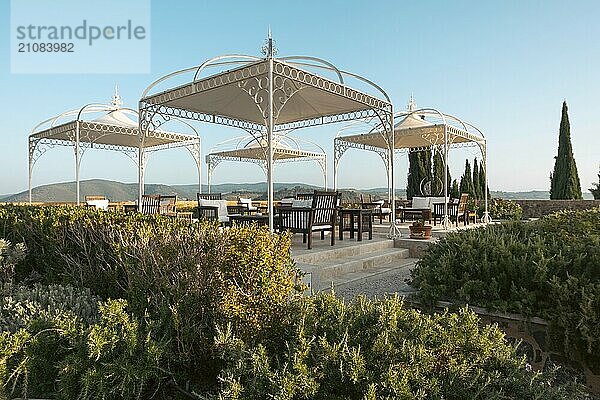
pixel 370 267
pixel 380 232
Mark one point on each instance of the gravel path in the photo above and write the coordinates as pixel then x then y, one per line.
pixel 378 285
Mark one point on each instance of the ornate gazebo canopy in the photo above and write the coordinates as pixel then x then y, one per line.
pixel 263 96
pixel 253 150
pixel 414 130
pixel 106 127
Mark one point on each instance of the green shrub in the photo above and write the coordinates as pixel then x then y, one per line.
pixel 38 328
pixel 548 268
pixel 378 350
pixel 59 355
pixel 21 305
pixel 505 209
pixel 186 278
pixel 9 256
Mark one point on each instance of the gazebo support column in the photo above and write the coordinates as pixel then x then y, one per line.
pixel 31 150
pixel 195 150
pixel 77 161
pixel 269 124
pixel 394 231
pixel 446 219
pixel 486 215
pixel 141 167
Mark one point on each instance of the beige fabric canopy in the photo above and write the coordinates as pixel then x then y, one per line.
pixel 113 128
pixel 253 150
pixel 241 94
pixel 265 95
pixel 415 130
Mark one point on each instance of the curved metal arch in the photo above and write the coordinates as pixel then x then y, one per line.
pixel 222 57
pixel 198 69
pixel 332 67
pixel 80 111
pixel 353 75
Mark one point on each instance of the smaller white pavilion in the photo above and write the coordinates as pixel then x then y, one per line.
pixel 108 127
pixel 414 130
pixel 253 149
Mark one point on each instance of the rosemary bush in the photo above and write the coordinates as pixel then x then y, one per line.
pixel 548 268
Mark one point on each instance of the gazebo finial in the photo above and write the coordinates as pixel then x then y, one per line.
pixel 268 48
pixel 412 104
pixel 116 100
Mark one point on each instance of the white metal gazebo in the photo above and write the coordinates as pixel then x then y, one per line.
pixel 253 150
pixel 107 127
pixel 264 96
pixel 414 130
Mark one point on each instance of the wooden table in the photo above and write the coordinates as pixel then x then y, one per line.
pixel 362 217
pixel 258 219
pixel 424 213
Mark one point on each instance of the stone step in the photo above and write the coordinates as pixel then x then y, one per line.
pixel 340 250
pixel 326 270
pixel 374 273
pixel 397 271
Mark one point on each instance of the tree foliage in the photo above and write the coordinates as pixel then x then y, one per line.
pixel 454 191
pixel 546 268
pixel 564 180
pixel 466 181
pixel 596 189
pixel 419 171
pixel 438 175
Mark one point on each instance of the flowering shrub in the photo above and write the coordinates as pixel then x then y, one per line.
pixel 505 209
pixel 9 256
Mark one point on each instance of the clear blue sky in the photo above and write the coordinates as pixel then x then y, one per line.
pixel 505 66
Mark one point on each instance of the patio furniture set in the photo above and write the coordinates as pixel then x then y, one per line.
pixel 151 204
pixel 307 213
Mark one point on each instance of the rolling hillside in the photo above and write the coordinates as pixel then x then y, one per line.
pixel 118 191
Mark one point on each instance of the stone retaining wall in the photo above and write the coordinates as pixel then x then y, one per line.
pixel 539 208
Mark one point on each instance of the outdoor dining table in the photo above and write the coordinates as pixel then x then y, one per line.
pixel 258 219
pixel 424 213
pixel 357 220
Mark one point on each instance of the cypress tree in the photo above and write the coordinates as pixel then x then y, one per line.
pixel 454 192
pixel 412 186
pixel 477 193
pixel 564 180
pixel 426 160
pixel 419 170
pixel 596 190
pixel 482 181
pixel 466 181
pixel 438 175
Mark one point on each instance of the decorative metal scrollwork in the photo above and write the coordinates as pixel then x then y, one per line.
pixel 258 89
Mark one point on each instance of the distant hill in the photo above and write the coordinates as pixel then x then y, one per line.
pixel 531 195
pixel 118 191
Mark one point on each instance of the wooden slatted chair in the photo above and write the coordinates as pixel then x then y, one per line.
pixel 168 205
pixel 321 216
pixel 150 204
pixel 304 196
pixel 210 196
pixel 463 212
pixel 378 208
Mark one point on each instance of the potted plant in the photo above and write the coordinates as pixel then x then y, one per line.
pixel 418 230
